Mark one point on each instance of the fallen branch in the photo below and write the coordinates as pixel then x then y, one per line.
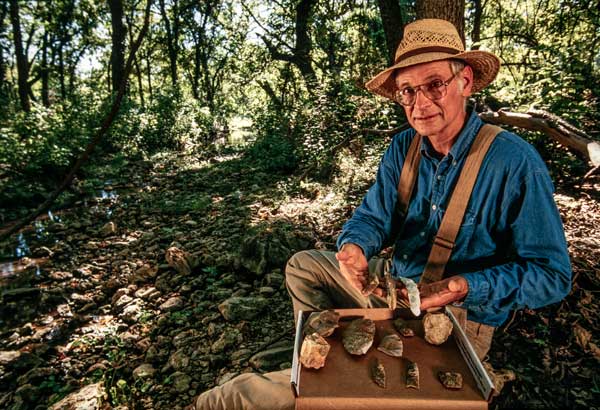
pixel 96 139
pixel 551 125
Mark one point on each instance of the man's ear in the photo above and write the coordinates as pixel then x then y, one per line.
pixel 467 79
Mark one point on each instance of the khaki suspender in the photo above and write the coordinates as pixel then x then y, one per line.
pixel 445 239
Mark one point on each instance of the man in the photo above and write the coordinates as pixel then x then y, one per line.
pixel 510 251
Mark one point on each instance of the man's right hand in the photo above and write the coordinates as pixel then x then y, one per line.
pixel 353 265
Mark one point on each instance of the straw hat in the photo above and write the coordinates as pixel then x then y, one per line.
pixel 433 40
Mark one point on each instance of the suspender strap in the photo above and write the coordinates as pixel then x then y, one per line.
pixel 409 173
pixel 446 236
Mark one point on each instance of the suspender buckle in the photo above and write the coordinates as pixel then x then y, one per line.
pixel 444 243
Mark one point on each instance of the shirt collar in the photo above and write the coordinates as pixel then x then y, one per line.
pixel 463 142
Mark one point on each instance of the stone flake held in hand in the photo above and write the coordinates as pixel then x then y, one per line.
pixel 358 336
pixel 451 380
pixel 414 297
pixel 323 323
pixel 437 328
pixel 378 373
pixel 314 351
pixel 391 345
pixel 373 282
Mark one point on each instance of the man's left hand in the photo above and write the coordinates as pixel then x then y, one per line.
pixel 441 293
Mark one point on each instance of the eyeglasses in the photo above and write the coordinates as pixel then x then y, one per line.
pixel 433 90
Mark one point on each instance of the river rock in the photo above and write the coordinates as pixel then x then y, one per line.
pixel 172 304
pixel 228 338
pixel 242 308
pixel 180 260
pixel 90 397
pixel 272 358
pixel 181 381
pixel 144 371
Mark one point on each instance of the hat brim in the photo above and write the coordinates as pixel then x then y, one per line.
pixel 485 67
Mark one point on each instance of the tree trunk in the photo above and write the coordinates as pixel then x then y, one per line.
pixel 44 70
pixel 61 69
pixel 303 44
pixel 149 75
pixel 451 10
pixel 3 82
pixel 393 25
pixel 118 43
pixel 476 33
pixel 22 66
pixel 171 38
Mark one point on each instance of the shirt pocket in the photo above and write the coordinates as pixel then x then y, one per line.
pixel 463 247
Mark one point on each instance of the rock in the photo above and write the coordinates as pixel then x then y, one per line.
pixel 179 360
pixel 266 291
pixel 437 328
pixel 242 308
pixel 172 304
pixel 8 357
pixel 144 371
pixel 132 312
pixel 271 358
pixel 358 336
pixel 180 260
pixel 324 323
pixel 122 302
pixel 108 229
pixel 451 380
pixel 42 252
pixel 181 381
pixel 391 345
pixel 60 275
pixel 378 373
pixel 90 397
pixel 274 279
pixel 226 377
pixel 227 339
pixel 149 293
pixel 314 351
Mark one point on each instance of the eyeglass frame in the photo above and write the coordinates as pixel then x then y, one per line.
pixel 418 88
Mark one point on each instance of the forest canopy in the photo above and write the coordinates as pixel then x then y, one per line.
pixel 295 70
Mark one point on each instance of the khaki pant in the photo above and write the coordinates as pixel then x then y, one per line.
pixel 314 282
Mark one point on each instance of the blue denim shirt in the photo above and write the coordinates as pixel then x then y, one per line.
pixel 511 246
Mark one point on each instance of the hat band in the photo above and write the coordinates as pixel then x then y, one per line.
pixel 423 50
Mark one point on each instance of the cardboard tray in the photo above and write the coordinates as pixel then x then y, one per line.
pixel 345 381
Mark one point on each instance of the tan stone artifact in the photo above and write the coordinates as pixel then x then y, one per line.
pixel 391 345
pixel 323 323
pixel 358 336
pixel 451 380
pixel 437 328
pixel 314 351
pixel 378 373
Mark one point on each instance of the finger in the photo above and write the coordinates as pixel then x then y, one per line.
pixel 380 292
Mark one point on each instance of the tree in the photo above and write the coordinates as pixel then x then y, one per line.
pixel 22 65
pixel 451 10
pixel 172 33
pixel 118 43
pixel 393 25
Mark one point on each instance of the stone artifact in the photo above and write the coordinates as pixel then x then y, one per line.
pixel 372 283
pixel 390 283
pixel 323 323
pixel 314 351
pixel 402 327
pixel 391 345
pixel 437 328
pixel 378 373
pixel 451 380
pixel 358 336
pixel 414 298
pixel 412 375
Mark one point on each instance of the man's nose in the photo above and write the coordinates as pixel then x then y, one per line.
pixel 421 100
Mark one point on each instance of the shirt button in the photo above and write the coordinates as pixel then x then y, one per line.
pixel 439 177
pixel 422 233
pixel 405 256
pixel 434 207
pixel 454 162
